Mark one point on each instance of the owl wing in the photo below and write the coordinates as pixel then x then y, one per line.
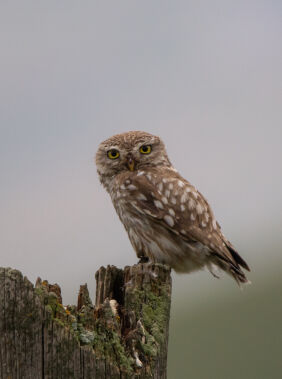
pixel 174 203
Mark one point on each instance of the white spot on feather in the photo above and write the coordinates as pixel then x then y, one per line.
pixel 182 207
pixel 170 186
pixel 180 183
pixel 214 224
pixel 193 217
pixel 195 194
pixel 149 212
pixel 164 180
pixel 160 186
pixel 173 200
pixel 191 204
pixel 149 176
pixel 167 193
pixel 158 204
pixel 141 197
pixel 171 212
pixel 169 220
pixel 122 187
pixel 199 208
pixel 184 197
pixel 132 187
pixel 164 200
pixel 140 173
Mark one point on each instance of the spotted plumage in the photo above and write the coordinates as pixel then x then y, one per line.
pixel 166 218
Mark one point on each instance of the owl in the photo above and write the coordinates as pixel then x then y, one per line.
pixel 166 218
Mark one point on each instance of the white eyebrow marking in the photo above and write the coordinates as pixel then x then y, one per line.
pixel 140 173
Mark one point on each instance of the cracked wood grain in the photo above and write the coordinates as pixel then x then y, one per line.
pixel 124 335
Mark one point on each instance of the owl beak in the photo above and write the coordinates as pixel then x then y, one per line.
pixel 131 164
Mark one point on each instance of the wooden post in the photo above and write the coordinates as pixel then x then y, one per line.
pixel 125 335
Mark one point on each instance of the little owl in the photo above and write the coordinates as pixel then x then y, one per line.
pixel 166 218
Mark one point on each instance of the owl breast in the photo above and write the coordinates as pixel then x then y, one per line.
pixel 149 238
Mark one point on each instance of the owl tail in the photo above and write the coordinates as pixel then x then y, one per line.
pixel 235 269
pixel 233 266
pixel 239 276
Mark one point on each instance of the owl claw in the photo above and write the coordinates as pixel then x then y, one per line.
pixel 143 259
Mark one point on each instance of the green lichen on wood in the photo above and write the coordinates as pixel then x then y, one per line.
pixel 152 311
pixel 101 333
pixel 127 328
pixel 108 343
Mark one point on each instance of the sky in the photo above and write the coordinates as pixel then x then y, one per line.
pixel 204 76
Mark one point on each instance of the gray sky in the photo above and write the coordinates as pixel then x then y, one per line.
pixel 204 75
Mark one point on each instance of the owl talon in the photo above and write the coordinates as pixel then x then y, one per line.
pixel 143 259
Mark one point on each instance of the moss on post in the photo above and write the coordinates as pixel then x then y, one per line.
pixel 124 335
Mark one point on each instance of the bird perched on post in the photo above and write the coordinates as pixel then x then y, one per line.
pixel 166 218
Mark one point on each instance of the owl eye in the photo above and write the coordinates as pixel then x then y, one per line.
pixel 145 149
pixel 113 154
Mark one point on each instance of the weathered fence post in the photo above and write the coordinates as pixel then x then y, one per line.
pixel 125 335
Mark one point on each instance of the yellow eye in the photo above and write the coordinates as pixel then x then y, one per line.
pixel 145 149
pixel 113 154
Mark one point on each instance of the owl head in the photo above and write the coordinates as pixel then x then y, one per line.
pixel 129 152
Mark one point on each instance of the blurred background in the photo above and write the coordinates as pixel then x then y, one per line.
pixel 204 75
